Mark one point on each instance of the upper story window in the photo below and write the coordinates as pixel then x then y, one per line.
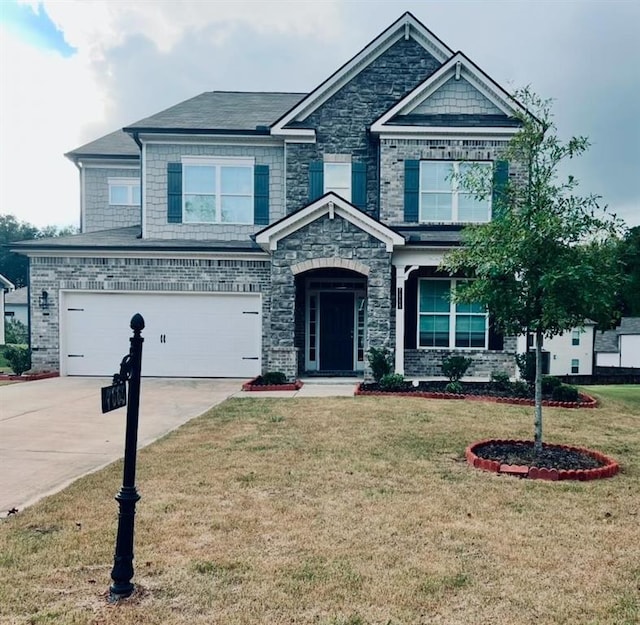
pixel 218 191
pixel 444 323
pixel 575 337
pixel 337 178
pixel 443 197
pixel 124 191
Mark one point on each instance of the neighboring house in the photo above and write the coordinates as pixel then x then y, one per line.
pixel 570 353
pixel 619 347
pixel 16 305
pixel 284 231
pixel 6 286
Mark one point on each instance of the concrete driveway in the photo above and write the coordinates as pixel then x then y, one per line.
pixel 53 431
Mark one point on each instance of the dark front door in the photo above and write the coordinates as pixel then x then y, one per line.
pixel 336 331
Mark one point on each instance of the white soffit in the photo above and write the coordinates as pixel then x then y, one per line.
pixel 466 70
pixel 407 26
pixel 332 205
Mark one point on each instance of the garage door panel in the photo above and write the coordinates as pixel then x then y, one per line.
pixel 184 335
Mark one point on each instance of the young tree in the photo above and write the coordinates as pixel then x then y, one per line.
pixel 548 259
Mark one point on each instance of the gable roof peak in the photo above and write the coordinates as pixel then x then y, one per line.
pixel 405 27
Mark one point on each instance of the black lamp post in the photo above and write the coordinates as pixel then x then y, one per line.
pixel 127 498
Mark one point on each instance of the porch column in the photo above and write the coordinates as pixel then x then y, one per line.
pixel 402 273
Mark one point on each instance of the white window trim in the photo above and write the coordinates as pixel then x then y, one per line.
pixel 129 184
pixel 217 163
pixel 455 192
pixel 577 366
pixel 349 192
pixel 575 336
pixel 452 316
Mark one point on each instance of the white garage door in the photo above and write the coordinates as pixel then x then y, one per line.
pixel 212 335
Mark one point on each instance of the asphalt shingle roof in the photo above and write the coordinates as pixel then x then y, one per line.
pixel 115 144
pixel 222 110
pixel 606 341
pixel 19 296
pixel 629 325
pixel 129 239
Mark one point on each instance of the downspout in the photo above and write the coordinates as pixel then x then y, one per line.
pixel 78 164
pixel 136 138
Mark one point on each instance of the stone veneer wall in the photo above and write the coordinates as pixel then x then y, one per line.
pixel 341 123
pixel 130 275
pixel 98 214
pixel 394 152
pixel 157 157
pixel 327 238
pixel 421 363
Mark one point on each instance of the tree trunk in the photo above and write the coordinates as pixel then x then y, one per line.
pixel 538 393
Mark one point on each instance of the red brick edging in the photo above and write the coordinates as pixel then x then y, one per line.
pixel 609 469
pixel 28 377
pixel 251 386
pixel 587 400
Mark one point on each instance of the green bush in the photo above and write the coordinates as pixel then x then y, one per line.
pixel 454 367
pixel 520 388
pixel 527 366
pixel 454 387
pixel 549 383
pixel 381 362
pixel 15 332
pixel 565 392
pixel 274 377
pixel 392 382
pixel 19 358
pixel 500 380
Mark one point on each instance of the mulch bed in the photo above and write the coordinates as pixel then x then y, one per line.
pixel 28 377
pixel 257 384
pixel 553 462
pixel 479 391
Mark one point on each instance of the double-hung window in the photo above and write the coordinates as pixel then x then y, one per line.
pixel 575 337
pixel 337 178
pixel 446 324
pixel 124 191
pixel 446 197
pixel 217 191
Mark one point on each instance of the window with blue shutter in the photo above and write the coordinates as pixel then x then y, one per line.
pixel 411 190
pixel 261 195
pixel 316 180
pixel 174 193
pixel 500 185
pixel 359 185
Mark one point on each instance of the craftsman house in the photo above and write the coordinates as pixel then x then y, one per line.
pixel 283 231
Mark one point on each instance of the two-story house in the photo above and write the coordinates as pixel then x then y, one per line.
pixel 283 231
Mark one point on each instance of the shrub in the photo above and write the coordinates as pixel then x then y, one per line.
pixel 392 382
pixel 454 367
pixel 454 387
pixel 274 377
pixel 19 358
pixel 527 366
pixel 500 380
pixel 15 332
pixel 549 383
pixel 520 388
pixel 380 361
pixel 565 392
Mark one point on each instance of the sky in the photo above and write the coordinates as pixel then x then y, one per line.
pixel 74 70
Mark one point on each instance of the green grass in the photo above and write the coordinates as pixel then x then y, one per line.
pixel 627 394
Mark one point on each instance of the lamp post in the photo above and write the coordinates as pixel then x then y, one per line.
pixel 128 496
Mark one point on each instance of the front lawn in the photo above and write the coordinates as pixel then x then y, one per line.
pixel 341 511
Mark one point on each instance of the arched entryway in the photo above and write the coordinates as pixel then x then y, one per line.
pixel 331 320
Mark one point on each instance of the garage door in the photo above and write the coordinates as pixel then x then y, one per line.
pixel 212 335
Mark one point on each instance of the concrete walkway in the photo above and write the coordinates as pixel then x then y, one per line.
pixel 53 431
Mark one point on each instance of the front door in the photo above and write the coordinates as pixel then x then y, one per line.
pixel 336 330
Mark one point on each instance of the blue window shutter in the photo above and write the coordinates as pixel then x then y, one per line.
pixel 261 195
pixel 316 180
pixel 359 185
pixel 174 193
pixel 411 190
pixel 500 182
